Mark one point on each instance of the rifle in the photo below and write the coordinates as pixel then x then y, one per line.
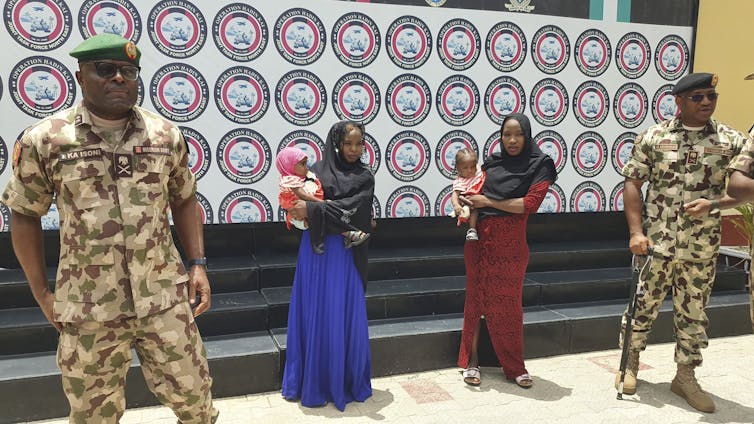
pixel 638 265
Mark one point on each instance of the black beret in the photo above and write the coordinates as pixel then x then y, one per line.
pixel 107 46
pixel 695 81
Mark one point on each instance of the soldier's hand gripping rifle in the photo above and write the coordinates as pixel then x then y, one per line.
pixel 639 264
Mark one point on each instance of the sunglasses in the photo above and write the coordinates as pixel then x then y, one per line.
pixel 109 69
pixel 696 98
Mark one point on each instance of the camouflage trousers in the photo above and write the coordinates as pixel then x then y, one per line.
pixel 94 358
pixel 690 284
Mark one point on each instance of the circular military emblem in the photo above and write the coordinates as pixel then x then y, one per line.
pixel 622 148
pixel 179 92
pixel 505 46
pixel 244 156
pixel 553 145
pixel 140 91
pixel 448 146
pixel 408 42
pixel 356 98
pixel 630 105
pixel 492 145
pixel 549 102
pixel 550 49
pixel 554 201
pixel 588 197
pixel 407 156
pixel 51 220
pixel 592 52
pixel 443 204
pixel 300 36
pixel 118 17
pixel 376 209
pixel 458 44
pixel 589 154
pixel 632 55
pixel 206 209
pixel 244 205
pixel 4 218
pixel 616 198
pixel 408 100
pixel 407 202
pixel 240 32
pixel 504 96
pixel 3 156
pixel 41 86
pixel 436 3
pixel 40 25
pixel 372 155
pixel 177 28
pixel 199 153
pixel 300 97
pixel 355 39
pixel 306 141
pixel 591 104
pixel 241 95
pixel 671 57
pixel 457 100
pixel 663 104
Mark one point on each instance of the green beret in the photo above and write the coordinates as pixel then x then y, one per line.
pixel 694 82
pixel 107 46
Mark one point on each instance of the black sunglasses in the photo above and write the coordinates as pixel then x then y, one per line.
pixel 696 98
pixel 109 69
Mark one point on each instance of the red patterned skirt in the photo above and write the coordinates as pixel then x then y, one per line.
pixel 495 267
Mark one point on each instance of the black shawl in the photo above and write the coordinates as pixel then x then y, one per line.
pixel 509 177
pixel 349 189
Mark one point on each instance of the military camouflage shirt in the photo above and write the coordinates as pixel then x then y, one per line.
pixel 682 166
pixel 117 256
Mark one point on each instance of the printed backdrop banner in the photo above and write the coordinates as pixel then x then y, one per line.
pixel 244 80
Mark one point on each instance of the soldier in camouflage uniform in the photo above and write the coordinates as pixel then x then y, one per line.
pixel 684 161
pixel 114 169
pixel 741 186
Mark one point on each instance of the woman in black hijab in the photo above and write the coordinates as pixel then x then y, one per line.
pixel 327 356
pixel 518 178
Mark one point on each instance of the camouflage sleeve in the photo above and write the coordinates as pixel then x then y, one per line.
pixel 744 161
pixel 639 165
pixel 29 190
pixel 182 183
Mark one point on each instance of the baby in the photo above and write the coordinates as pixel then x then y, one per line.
pixel 469 181
pixel 296 183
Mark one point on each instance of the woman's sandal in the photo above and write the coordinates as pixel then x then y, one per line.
pixel 472 376
pixel 524 381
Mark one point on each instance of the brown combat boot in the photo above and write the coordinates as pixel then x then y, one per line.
pixel 632 369
pixel 685 385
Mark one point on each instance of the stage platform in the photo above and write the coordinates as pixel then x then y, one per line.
pixel 575 290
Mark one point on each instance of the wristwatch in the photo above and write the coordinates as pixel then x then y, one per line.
pixel 714 205
pixel 198 261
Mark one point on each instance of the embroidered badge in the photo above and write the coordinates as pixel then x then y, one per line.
pixel 692 157
pixel 17 154
pixel 722 151
pixel 123 168
pixel 155 150
pixel 80 154
pixel 131 50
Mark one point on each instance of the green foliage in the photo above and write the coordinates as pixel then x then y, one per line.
pixel 745 225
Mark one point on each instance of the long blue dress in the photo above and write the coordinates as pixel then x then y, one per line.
pixel 327 356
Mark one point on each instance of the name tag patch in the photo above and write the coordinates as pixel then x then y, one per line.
pixel 154 150
pixel 722 151
pixel 80 154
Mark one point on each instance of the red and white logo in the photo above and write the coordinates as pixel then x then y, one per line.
pixel 244 156
pixel 591 104
pixel 458 44
pixel 300 97
pixel 407 156
pixel 355 39
pixel 550 49
pixel 671 57
pixel 177 28
pixel 179 92
pixel 448 146
pixel 244 205
pixel 408 42
pixel 589 154
pixel 408 100
pixel 504 96
pixel 588 197
pixel 300 36
pixel 622 148
pixel 630 105
pixel 356 97
pixel 505 46
pixel 407 202
pixel 553 145
pixel 241 95
pixel 199 153
pixel 549 102
pixel 592 52
pixel 306 141
pixel 457 100
pixel 240 32
pixel 663 104
pixel 39 25
pixel 632 55
pixel 41 86
pixel 554 201
pixel 118 17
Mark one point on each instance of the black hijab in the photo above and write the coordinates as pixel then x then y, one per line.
pixel 509 177
pixel 349 189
